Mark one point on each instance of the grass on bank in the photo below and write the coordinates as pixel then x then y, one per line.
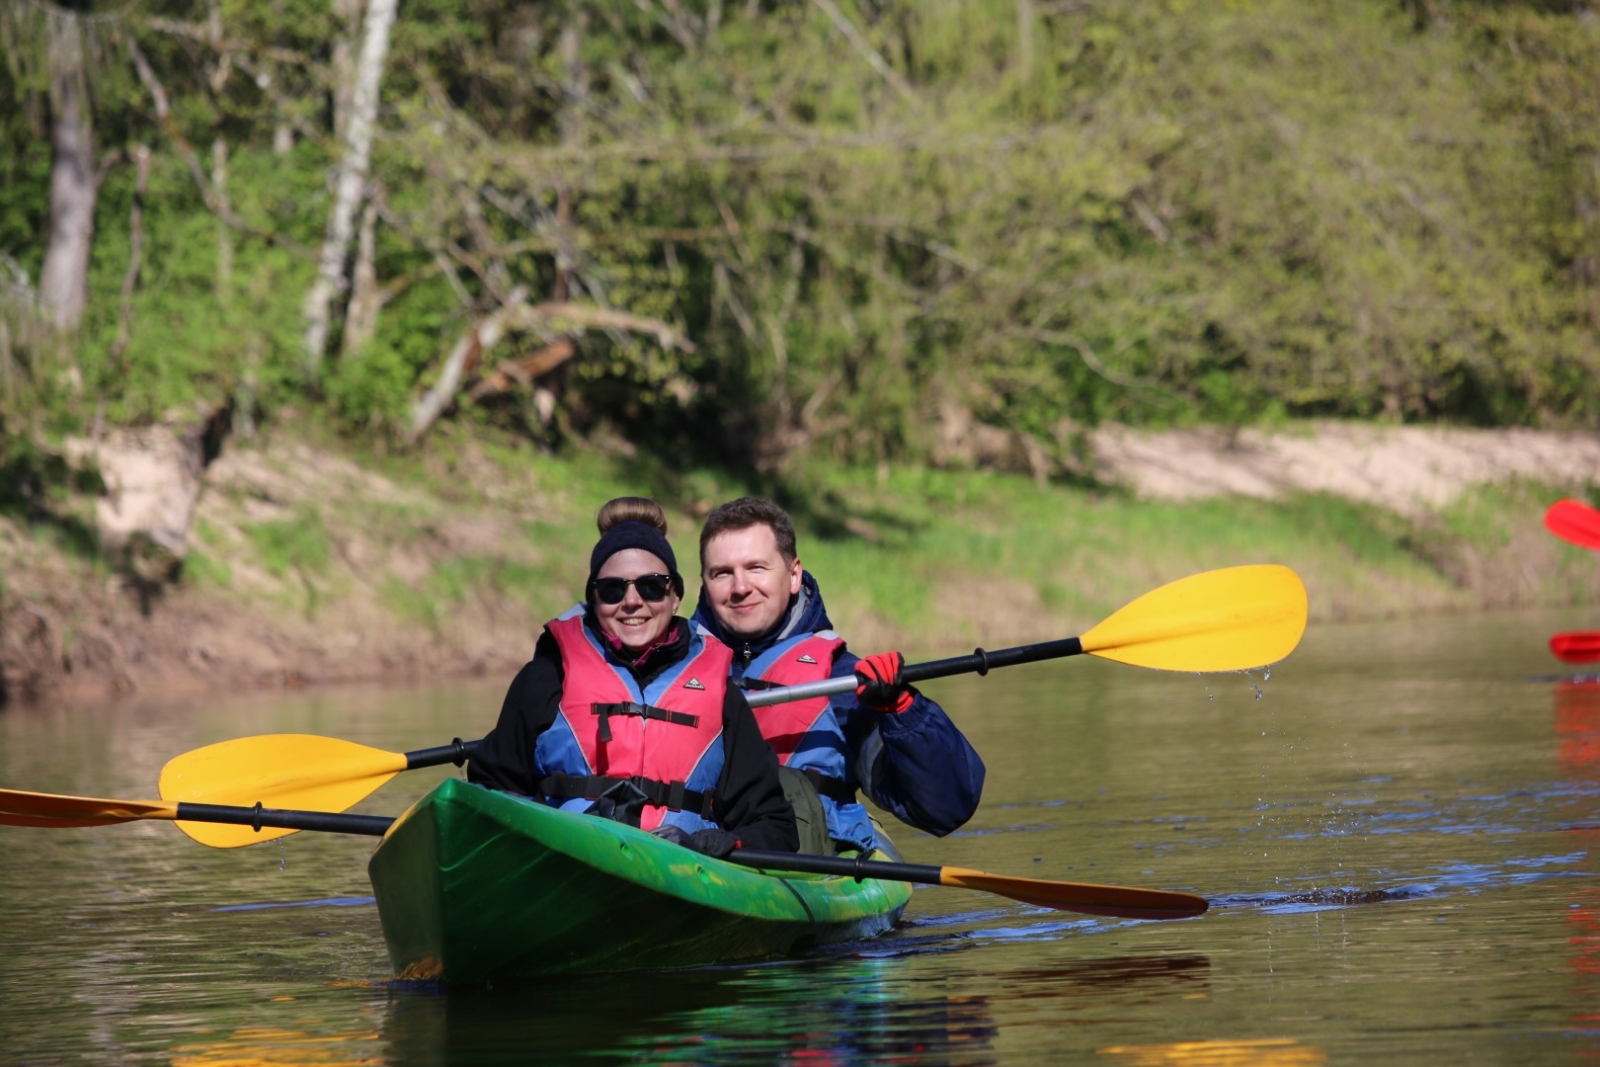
pixel 926 557
pixel 907 556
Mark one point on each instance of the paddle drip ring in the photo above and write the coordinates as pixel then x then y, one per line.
pixel 257 824
pixel 983 661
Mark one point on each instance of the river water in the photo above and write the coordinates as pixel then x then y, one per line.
pixel 1397 830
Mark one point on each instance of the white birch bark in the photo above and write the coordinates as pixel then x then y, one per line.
pixel 352 176
pixel 64 278
pixel 366 296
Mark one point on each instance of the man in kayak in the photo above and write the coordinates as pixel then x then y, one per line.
pixel 885 738
pixel 625 710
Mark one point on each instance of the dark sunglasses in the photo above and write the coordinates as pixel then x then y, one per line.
pixel 652 587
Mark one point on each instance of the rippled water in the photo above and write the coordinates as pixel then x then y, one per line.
pixel 1398 830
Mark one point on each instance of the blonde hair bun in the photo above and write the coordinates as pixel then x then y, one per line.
pixel 631 509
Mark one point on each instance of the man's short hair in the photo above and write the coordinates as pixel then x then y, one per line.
pixel 744 513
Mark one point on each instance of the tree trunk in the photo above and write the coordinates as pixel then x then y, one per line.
pixel 366 295
pixel 341 63
pixel 141 159
pixel 1025 24
pixel 219 182
pixel 352 177
pixel 64 280
pixel 576 88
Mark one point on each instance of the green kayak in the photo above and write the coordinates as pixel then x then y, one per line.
pixel 473 884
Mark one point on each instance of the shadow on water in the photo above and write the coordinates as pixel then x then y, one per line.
pixel 833 1011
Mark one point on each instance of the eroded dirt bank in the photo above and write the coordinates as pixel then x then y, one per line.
pixel 308 568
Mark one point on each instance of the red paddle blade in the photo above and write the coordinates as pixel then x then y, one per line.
pixel 1576 647
pixel 1575 521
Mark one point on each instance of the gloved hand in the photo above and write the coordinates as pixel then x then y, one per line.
pixel 714 843
pixel 880 686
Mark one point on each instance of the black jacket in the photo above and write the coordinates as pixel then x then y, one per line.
pixel 748 798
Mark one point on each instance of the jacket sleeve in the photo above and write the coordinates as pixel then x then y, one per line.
pixel 749 797
pixel 914 764
pixel 503 760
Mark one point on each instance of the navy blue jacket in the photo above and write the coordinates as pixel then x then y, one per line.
pixel 914 764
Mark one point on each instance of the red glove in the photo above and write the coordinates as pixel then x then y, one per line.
pixel 881 688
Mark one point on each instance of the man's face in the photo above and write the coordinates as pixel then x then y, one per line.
pixel 747 581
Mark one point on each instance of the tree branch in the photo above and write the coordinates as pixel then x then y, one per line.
pixel 214 203
pixel 518 315
pixel 864 47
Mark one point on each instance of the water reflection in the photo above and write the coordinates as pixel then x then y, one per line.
pixel 827 1012
pixel 1260 1052
pixel 276 1048
pixel 1577 730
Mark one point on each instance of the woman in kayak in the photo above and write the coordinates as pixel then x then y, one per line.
pixel 625 710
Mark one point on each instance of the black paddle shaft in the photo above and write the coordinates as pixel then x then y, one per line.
pixel 981 662
pixel 457 752
pixel 847 866
pixel 258 817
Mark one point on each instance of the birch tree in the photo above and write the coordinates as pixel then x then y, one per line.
pixel 331 281
pixel 64 279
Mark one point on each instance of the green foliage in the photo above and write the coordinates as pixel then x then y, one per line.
pixel 1151 211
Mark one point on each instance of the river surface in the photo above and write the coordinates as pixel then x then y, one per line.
pixel 1398 831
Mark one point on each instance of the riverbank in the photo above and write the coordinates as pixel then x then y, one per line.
pixel 309 565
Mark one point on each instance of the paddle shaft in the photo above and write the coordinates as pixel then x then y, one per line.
pixel 1117 901
pixel 852 867
pixel 1127 902
pixel 330 821
pixel 979 662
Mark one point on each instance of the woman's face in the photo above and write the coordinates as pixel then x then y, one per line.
pixel 636 622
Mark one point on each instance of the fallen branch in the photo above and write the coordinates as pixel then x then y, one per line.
pixel 522 370
pixel 515 314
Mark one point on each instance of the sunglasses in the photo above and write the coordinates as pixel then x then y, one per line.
pixel 652 587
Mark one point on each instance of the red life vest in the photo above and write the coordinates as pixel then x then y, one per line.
pixel 666 737
pixel 795 662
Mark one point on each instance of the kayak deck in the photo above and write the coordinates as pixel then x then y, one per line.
pixel 473 884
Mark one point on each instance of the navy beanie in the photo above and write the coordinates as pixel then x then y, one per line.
pixel 634 534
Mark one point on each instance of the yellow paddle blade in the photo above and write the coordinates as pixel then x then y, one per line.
pixel 1118 901
pixel 19 807
pixel 278 771
pixel 1231 619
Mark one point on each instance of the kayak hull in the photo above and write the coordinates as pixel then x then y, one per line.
pixel 473 884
